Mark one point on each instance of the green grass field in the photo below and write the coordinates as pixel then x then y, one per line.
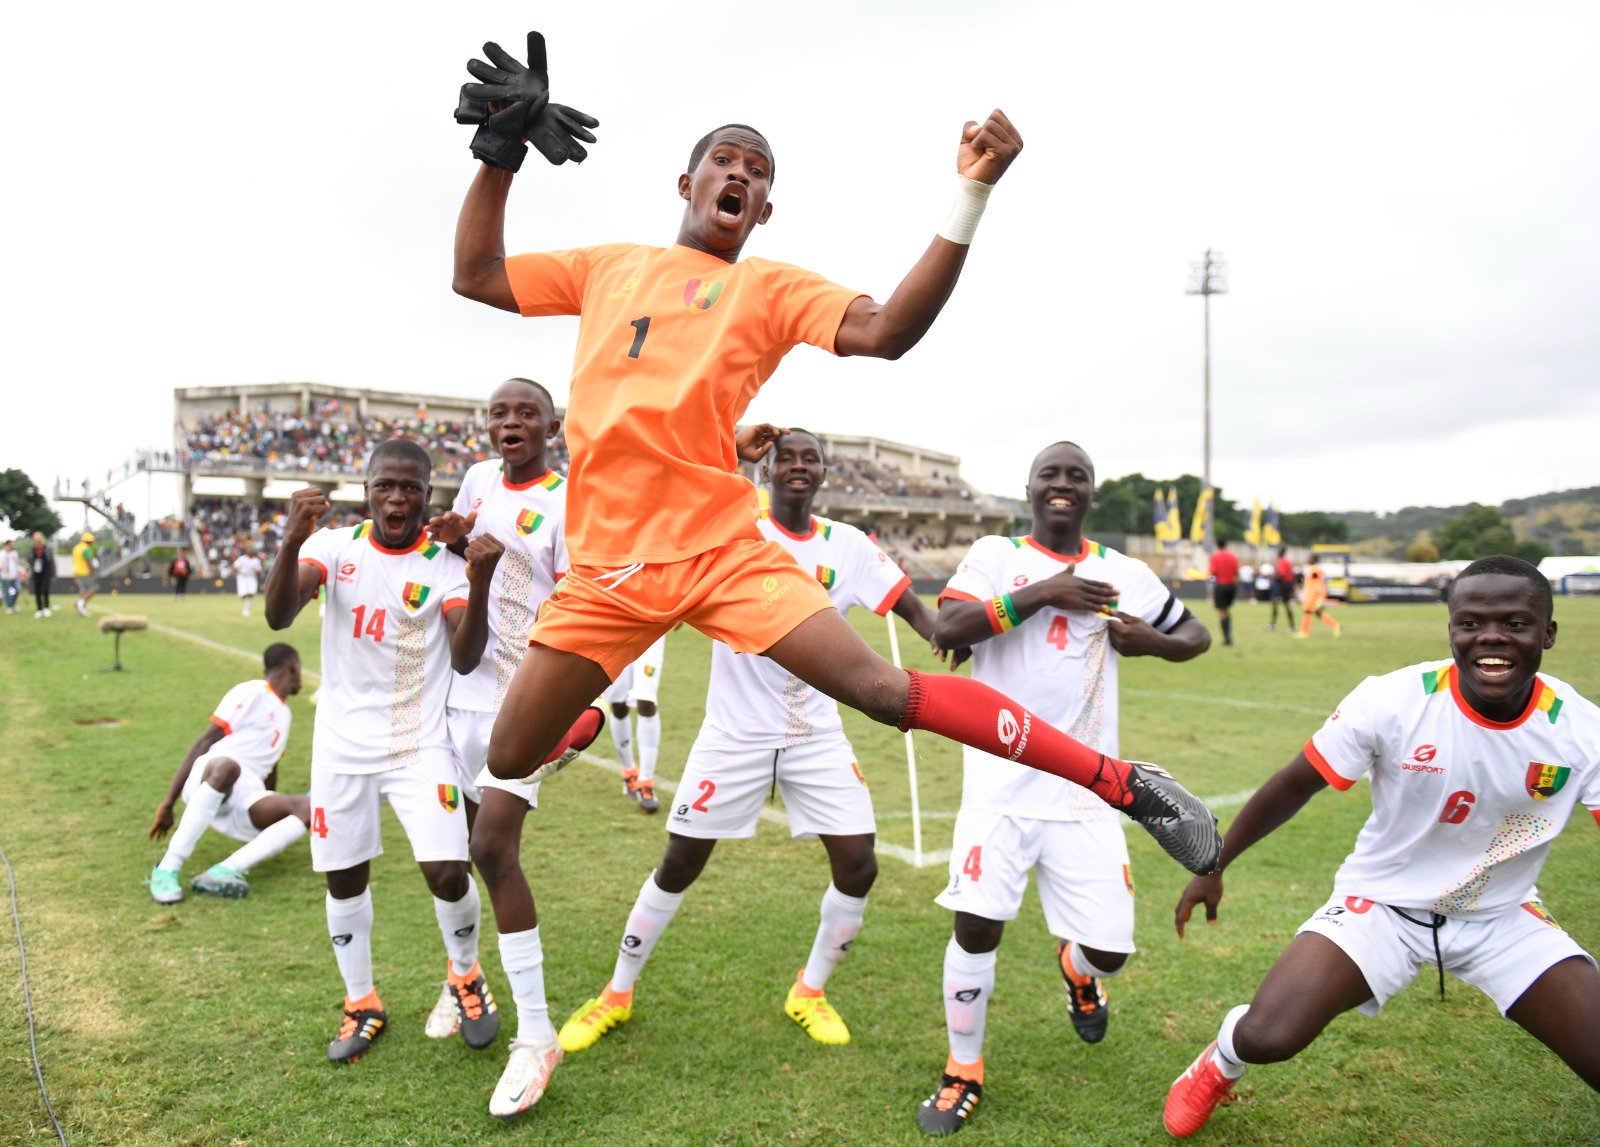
pixel 205 1022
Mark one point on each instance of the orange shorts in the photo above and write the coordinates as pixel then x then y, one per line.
pixel 747 594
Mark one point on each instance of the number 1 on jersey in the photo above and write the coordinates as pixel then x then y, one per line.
pixel 641 327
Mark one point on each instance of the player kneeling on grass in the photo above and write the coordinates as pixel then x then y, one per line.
pixel 1047 617
pixel 402 611
pixel 764 725
pixel 673 344
pixel 519 498
pixel 227 783
pixel 1477 763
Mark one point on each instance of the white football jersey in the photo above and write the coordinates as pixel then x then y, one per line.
pixel 385 648
pixel 1463 808
pixel 529 519
pixel 1059 664
pixel 754 702
pixel 247 566
pixel 256 723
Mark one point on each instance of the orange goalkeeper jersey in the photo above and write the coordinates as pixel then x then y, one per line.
pixel 672 346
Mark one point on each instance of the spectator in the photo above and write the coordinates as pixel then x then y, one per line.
pixel 83 563
pixel 42 568
pixel 179 572
pixel 10 574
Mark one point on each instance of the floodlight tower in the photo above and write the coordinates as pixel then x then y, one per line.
pixel 1207 277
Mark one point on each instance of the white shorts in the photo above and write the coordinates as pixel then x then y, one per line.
pixel 425 795
pixel 469 739
pixel 1500 955
pixel 1081 867
pixel 640 681
pixel 233 818
pixel 722 789
pixel 248 587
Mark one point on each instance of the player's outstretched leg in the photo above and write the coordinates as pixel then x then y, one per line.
pixel 535 1051
pixel 854 866
pixel 825 652
pixel 1313 982
pixel 283 819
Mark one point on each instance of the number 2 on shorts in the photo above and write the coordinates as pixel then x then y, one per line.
pixel 707 788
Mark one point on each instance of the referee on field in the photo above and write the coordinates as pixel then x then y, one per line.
pixel 1224 584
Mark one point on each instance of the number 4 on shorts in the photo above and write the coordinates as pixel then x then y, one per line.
pixel 973 868
pixel 319 823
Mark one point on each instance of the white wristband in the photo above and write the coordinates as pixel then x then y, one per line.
pixel 962 222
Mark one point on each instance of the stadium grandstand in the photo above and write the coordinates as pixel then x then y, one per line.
pixel 239 451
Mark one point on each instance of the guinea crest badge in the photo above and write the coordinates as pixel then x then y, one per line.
pixel 449 797
pixel 698 296
pixel 529 521
pixel 1545 781
pixel 414 595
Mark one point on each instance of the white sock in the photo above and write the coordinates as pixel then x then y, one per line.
pixel 458 924
pixel 652 912
pixel 968 984
pixel 1082 966
pixel 649 745
pixel 622 738
pixel 198 814
pixel 841 921
pixel 271 840
pixel 1225 1057
pixel 522 957
pixel 350 929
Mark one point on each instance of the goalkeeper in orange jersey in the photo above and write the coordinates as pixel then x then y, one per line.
pixel 672 345
pixel 1313 599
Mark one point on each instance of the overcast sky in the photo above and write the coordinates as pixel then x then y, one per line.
pixel 219 194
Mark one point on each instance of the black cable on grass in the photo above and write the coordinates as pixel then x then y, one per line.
pixel 27 1001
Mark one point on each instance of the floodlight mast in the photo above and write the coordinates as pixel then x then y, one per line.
pixel 1208 277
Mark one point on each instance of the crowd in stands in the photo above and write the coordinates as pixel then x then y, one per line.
pixel 226 525
pixel 332 437
pixel 858 474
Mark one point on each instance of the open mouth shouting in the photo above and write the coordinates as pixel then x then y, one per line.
pixel 731 204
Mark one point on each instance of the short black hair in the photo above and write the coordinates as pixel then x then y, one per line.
pixel 1061 442
pixel 798 430
pixel 401 448
pixel 278 654
pixel 1515 567
pixel 1222 542
pixel 549 401
pixel 703 145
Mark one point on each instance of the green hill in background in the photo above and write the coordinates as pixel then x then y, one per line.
pixel 1563 522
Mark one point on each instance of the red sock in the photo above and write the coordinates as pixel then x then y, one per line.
pixel 974 714
pixel 582 734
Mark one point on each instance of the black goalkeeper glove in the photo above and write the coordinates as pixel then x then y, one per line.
pixel 525 114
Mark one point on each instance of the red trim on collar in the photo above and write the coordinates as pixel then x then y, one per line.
pixel 1479 719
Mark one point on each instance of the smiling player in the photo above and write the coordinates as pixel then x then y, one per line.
pixel 402 612
pixel 673 344
pixel 1477 763
pixel 1068 610
pixel 764 726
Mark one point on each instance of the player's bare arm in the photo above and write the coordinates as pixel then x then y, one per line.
pixel 1135 637
pixel 290 586
pixel 480 250
pixel 967 622
pixel 469 627
pixel 162 824
pixel 1272 806
pixel 889 329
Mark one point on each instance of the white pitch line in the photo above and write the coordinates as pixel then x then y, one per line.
pixel 183 635
pixel 1236 702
